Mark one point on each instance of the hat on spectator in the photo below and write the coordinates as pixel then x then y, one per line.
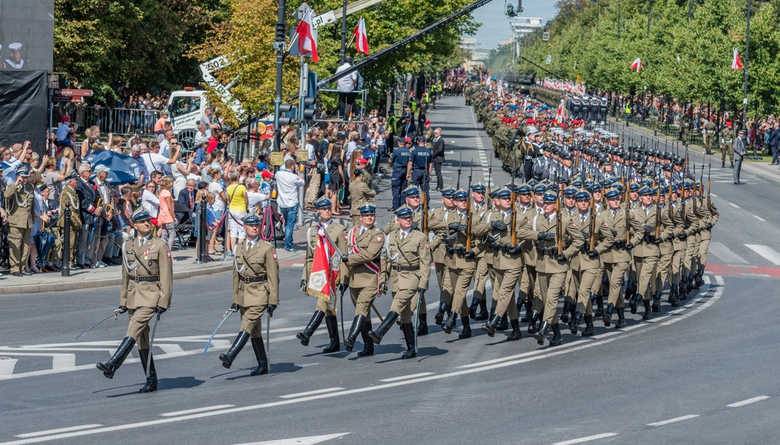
pixel 141 216
pixel 261 165
pixel 322 203
pixel 252 220
pixel 362 161
pixel 23 171
pixel 404 212
pixel 411 191
pixel 266 175
pixel 367 209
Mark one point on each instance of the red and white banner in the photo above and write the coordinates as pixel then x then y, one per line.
pixel 361 37
pixel 307 37
pixel 736 61
pixel 636 65
pixel 564 85
pixel 324 268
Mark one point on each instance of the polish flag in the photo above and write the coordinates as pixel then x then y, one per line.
pixel 324 269
pixel 361 37
pixel 736 61
pixel 307 37
pixel 636 65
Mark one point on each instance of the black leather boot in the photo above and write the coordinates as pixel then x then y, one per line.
pixel 262 359
pixel 121 353
pixel 541 333
pixel 490 326
pixel 483 312
pixel 646 315
pixel 599 305
pixel 376 335
pixel 588 331
pixel 533 324
pixel 566 309
pixel 312 326
pixel 556 339
pixel 656 307
pixel 574 326
pixel 608 314
pixel 228 356
pixel 634 302
pixel 333 332
pixel 449 324
pixel 503 324
pixel 673 298
pixel 422 325
pixel 621 311
pixel 524 303
pixel 408 331
pixel 439 318
pixel 368 345
pixel 465 331
pixel 151 373
pixel 474 306
pixel 354 330
pixel 515 333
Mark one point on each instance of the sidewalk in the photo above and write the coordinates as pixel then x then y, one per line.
pixel 184 266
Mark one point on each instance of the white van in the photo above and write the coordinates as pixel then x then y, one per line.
pixel 185 108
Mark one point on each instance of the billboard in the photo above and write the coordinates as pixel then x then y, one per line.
pixel 23 97
pixel 26 42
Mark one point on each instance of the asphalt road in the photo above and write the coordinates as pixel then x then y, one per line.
pixel 671 380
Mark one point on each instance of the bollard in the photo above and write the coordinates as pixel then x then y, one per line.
pixel 202 232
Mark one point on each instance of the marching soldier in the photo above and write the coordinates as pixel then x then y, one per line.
pixel 408 260
pixel 616 258
pixel 646 251
pixel 69 199
pixel 19 198
pixel 365 244
pixel 255 291
pixel 439 220
pixel 485 253
pixel 360 194
pixel 665 248
pixel 147 284
pixel 335 232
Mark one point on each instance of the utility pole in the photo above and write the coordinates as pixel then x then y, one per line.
pixel 746 61
pixel 343 53
pixel 279 48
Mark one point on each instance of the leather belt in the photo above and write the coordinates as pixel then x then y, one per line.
pixel 406 268
pixel 255 279
pixel 146 279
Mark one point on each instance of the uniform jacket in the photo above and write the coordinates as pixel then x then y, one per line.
pixel 251 262
pixel 437 224
pixel 407 259
pixel 546 261
pixel 359 193
pixel 604 240
pixel 336 233
pixel 69 197
pixel 363 258
pixel 19 203
pixel 150 259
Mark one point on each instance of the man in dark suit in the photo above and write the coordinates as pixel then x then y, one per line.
pixel 437 144
pixel 87 194
pixel 185 203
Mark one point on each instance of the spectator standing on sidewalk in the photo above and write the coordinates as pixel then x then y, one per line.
pixel 740 149
pixel 288 184
pixel 237 207
pixel 773 141
pixel 165 217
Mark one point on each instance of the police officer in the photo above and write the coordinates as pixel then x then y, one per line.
pixel 408 260
pixel 147 283
pixel 364 247
pixel 421 165
pixel 335 232
pixel 401 164
pixel 19 197
pixel 255 290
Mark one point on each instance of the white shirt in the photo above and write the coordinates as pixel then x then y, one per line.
pixel 256 199
pixel 154 161
pixel 150 203
pixel 347 83
pixel 215 188
pixel 165 147
pixel 287 184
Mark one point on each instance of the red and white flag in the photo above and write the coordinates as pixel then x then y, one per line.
pixel 361 37
pixel 324 268
pixel 736 61
pixel 636 65
pixel 307 37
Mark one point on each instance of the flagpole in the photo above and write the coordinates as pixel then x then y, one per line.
pixel 745 65
pixel 279 47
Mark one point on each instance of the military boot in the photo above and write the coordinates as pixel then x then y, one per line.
pixel 121 353
pixel 262 359
pixel 422 326
pixel 449 324
pixel 465 331
pixel 524 303
pixel 556 339
pixel 574 326
pixel 387 323
pixel 503 325
pixel 566 309
pixel 354 330
pixel 646 315
pixel 621 312
pixel 541 333
pixel 490 326
pixel 368 345
pixel 656 307
pixel 608 314
pixel 333 332
pixel 532 325
pixel 474 307
pixel 151 373
pixel 515 333
pixel 439 318
pixel 588 331
pixel 312 326
pixel 228 356
pixel 408 331
pixel 673 298
pixel 599 304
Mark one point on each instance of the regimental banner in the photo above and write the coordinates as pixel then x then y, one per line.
pixel 324 268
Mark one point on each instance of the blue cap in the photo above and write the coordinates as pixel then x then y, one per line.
pixel 404 212
pixel 23 170
pixel 252 220
pixel 411 191
pixel 448 193
pixel 540 189
pixel 478 188
pixel 503 193
pixel 595 187
pixel 645 191
pixel 550 197
pixel 461 195
pixel 577 182
pixel 665 189
pixel 570 192
pixel 323 203
pixel 367 209
pixel 141 216
pixel 613 194
pixel 634 187
pixel 582 196
pixel 524 189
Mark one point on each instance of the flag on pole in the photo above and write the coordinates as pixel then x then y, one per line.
pixel 361 37
pixel 736 61
pixel 636 65
pixel 307 36
pixel 324 268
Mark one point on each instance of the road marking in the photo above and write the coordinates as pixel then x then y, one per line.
pixel 310 393
pixel 734 205
pixel 759 218
pixel 673 420
pixel 58 361
pixel 728 256
pixel 309 440
pixel 58 430
pixel 195 410
pixel 169 348
pixel 749 401
pixel 516 356
pixel 765 251
pixel 713 195
pixel 586 439
pixel 7 365
pixel 404 377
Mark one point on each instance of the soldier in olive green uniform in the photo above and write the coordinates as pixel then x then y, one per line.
pixel 438 222
pixel 19 203
pixel 482 212
pixel 324 310
pixel 364 249
pixel 617 258
pixel 645 249
pixel 408 262
pixel 525 297
pixel 69 199
pixel 360 194
pixel 147 284
pixel 709 217
pixel 255 290
pixel 665 247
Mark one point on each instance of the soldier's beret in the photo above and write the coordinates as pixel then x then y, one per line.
pixel 570 192
pixel 460 195
pixel 582 196
pixel 323 203
pixel 141 216
pixel 367 209
pixel 411 191
pixel 540 189
pixel 503 193
pixel 645 191
pixel 404 212
pixel 613 194
pixel 524 189
pixel 478 188
pixel 634 187
pixel 252 220
pixel 448 193
pixel 550 197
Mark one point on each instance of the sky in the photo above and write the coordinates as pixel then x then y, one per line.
pixel 496 27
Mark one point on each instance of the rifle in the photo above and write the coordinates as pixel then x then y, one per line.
pixel 468 216
pixel 658 210
pixel 592 225
pixel 460 163
pixel 559 222
pixel 709 185
pixel 626 208
pixel 693 191
pixel 424 221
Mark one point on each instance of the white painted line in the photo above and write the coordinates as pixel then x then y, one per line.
pixel 59 361
pixel 404 377
pixel 7 365
pixel 673 420
pixel 195 410
pixel 516 356
pixel 713 195
pixel 58 430
pixel 765 251
pixel 311 393
pixel 606 334
pixel 586 439
pixel 734 205
pixel 169 348
pixel 728 256
pixel 759 218
pixel 308 440
pixel 745 402
pixel 296 265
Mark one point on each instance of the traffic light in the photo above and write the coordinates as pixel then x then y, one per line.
pixel 309 108
pixel 284 116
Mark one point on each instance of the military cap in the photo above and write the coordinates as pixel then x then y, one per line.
pixel 411 191
pixel 665 189
pixel 252 220
pixel 367 209
pixel 570 192
pixel 72 175
pixel 550 197
pixel 618 187
pixel 595 187
pixel 141 216
pixel 613 194
pixel 23 170
pixel 460 195
pixel 605 183
pixel 403 212
pixel 322 203
pixel 478 188
pixel 582 196
pixel 448 193
pixel 532 183
pixel 634 187
pixel 493 194
pixel 645 191
pixel 577 182
pixel 503 193
pixel 539 189
pixel 524 189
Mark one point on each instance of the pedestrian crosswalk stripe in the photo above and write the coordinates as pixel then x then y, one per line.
pixel 765 251
pixel 7 365
pixel 727 255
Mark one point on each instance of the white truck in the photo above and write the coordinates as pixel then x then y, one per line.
pixel 185 108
